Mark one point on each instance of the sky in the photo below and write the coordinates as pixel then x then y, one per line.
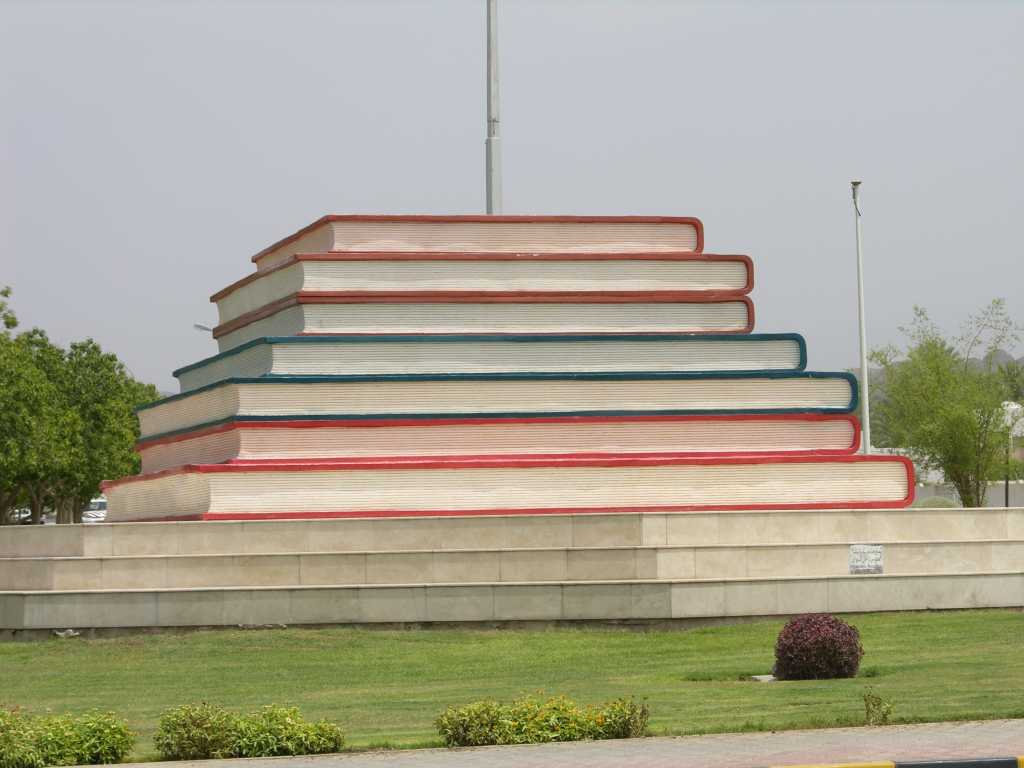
pixel 148 149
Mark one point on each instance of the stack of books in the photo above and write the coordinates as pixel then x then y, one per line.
pixel 455 365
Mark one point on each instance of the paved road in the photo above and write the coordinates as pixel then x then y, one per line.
pixel 933 741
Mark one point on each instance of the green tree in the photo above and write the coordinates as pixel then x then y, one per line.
pixel 8 320
pixel 48 449
pixel 1013 378
pixel 20 395
pixel 67 421
pixel 104 395
pixel 942 403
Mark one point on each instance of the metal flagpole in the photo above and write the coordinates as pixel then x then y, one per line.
pixel 493 142
pixel 864 393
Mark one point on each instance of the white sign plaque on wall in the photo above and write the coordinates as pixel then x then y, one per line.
pixel 866 558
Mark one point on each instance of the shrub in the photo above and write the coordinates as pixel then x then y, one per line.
pixel 274 731
pixel 323 737
pixel 817 646
pixel 18 741
pixel 622 719
pixel 203 731
pixel 531 720
pixel 196 732
pixel 474 725
pixel 90 739
pixel 877 710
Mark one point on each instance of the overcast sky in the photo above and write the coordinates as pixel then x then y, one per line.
pixel 148 149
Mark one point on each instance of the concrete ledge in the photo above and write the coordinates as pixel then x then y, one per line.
pixel 446 533
pixel 567 601
pixel 449 566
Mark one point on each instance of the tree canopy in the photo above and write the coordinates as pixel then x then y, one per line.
pixel 942 399
pixel 67 420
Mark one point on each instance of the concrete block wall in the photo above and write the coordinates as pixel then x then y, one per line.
pixel 549 568
pixel 558 602
pixel 511 532
pixel 498 565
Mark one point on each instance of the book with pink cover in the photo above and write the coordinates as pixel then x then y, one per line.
pixel 488 234
pixel 259 440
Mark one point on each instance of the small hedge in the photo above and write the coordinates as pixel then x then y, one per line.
pixel 817 646
pixel 274 731
pixel 33 741
pixel 531 720
pixel 204 731
pixel 196 732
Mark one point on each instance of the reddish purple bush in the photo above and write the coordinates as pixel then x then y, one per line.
pixel 817 646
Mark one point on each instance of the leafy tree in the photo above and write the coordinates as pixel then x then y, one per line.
pixel 104 396
pixel 1013 377
pixel 21 387
pixel 67 421
pixel 941 404
pixel 8 320
pixel 43 440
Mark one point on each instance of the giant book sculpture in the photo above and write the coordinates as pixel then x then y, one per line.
pixel 479 365
pixel 245 438
pixel 522 235
pixel 488 485
pixel 434 395
pixel 340 312
pixel 478 353
pixel 698 274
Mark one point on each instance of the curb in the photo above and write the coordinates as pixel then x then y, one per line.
pixel 982 762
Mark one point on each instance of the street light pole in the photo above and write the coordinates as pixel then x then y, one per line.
pixel 1006 480
pixel 493 142
pixel 864 393
pixel 1013 416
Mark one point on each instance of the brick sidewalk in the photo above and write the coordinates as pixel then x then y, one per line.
pixel 933 741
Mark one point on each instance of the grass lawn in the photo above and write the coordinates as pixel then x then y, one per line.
pixel 388 686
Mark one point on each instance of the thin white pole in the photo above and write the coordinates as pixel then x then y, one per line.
pixel 493 142
pixel 864 376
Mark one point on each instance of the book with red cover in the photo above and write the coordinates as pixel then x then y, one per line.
pixel 475 485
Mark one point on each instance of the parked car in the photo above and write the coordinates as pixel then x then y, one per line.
pixel 96 511
pixel 23 516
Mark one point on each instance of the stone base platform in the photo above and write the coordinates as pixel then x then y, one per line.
pixel 654 567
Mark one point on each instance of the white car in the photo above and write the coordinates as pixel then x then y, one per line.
pixel 96 512
pixel 22 516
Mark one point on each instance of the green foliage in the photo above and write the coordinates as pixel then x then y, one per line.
pixel 93 738
pixel 944 405
pixel 877 710
pixel 100 737
pixel 8 320
pixel 531 720
pixel 1012 374
pixel 204 731
pixel 935 502
pixel 274 731
pixel 18 741
pixel 1014 470
pixel 196 732
pixel 67 421
pixel 474 725
pixel 623 718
